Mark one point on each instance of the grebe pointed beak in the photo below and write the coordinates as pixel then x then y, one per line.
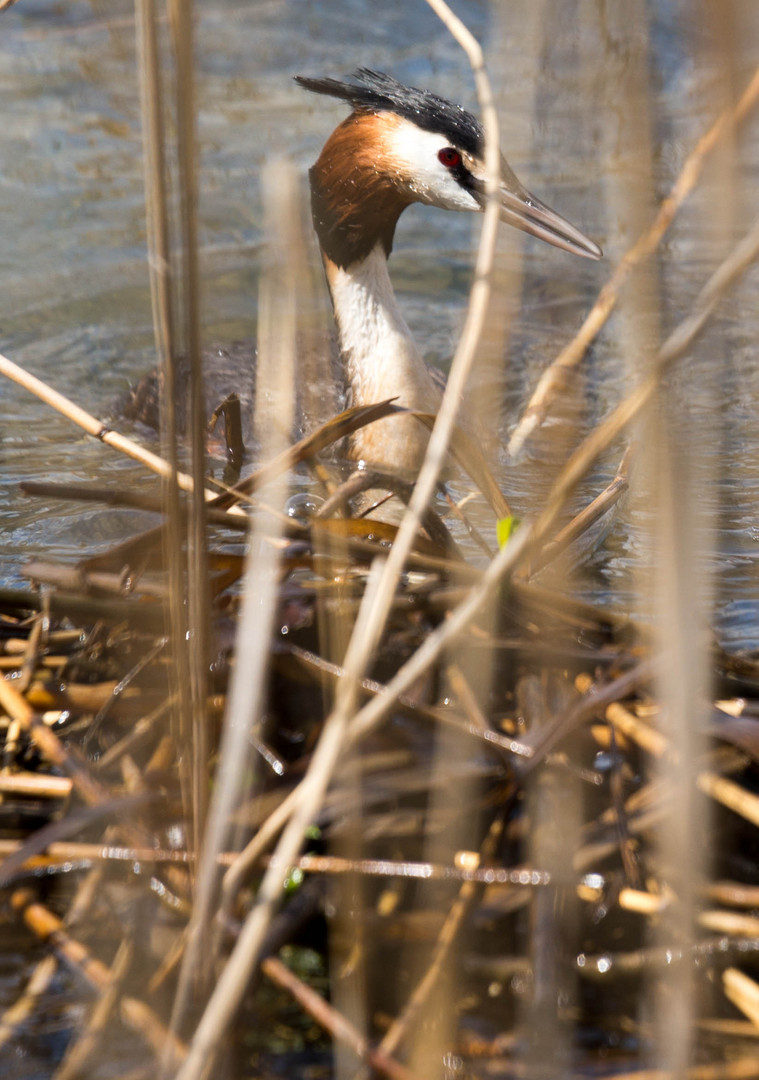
pixel 524 211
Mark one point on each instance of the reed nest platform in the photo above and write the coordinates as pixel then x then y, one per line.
pixel 486 880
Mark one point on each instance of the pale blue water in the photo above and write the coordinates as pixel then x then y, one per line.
pixel 74 300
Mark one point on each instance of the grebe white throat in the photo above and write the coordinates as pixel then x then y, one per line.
pixel 381 358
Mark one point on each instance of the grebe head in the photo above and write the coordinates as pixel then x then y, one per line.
pixel 402 145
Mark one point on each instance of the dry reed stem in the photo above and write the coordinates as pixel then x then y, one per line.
pixel 154 164
pixel 731 795
pixel 72 851
pixel 36 785
pixel 51 660
pixel 466 697
pixel 743 992
pixel 88 891
pixel 586 518
pixel 733 893
pixel 135 1014
pixel 242 866
pixel 339 427
pixel 187 634
pixel 644 903
pixel 276 359
pixel 339 1027
pixel 135 737
pixel 642 734
pixel 32 653
pixel 37 985
pixel 57 639
pixel 483 875
pixel 551 381
pixel 729 922
pixel 195 631
pixel 741 1029
pixel 50 745
pixel 91 424
pixel 78 1052
pixel 413 1010
pixel 744 1068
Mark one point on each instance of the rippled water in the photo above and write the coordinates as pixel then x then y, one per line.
pixel 74 300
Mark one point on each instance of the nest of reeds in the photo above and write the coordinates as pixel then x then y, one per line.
pixel 482 862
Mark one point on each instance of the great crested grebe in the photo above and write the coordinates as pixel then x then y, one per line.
pixel 399 145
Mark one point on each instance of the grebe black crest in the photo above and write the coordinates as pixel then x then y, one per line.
pixel 373 91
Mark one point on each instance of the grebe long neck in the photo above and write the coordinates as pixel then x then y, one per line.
pixel 355 210
pixel 381 359
pixel 380 354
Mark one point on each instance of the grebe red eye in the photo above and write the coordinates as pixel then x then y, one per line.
pixel 449 157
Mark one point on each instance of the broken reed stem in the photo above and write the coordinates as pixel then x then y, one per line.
pixel 78 1052
pixel 50 745
pixel 731 795
pixel 645 736
pixel 551 381
pixel 35 785
pixel 743 992
pixel 733 893
pixel 719 788
pixel 135 1014
pixel 37 985
pixel 413 1010
pixel 331 1020
pixel 730 922
pixel 92 425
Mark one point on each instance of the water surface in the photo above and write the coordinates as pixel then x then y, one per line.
pixel 74 299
